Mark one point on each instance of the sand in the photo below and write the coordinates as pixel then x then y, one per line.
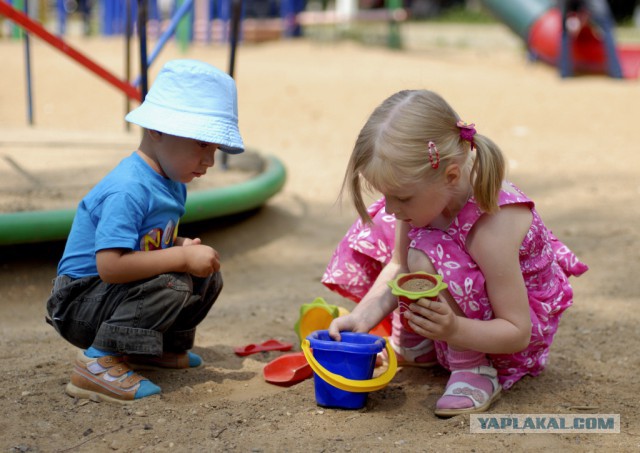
pixel 572 145
pixel 417 285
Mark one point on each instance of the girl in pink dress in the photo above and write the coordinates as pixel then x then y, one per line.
pixel 447 209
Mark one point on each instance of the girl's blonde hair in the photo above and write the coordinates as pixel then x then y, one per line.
pixel 391 150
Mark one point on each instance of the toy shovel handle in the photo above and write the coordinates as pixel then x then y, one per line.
pixel 351 385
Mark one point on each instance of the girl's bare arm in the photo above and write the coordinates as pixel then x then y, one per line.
pixel 378 302
pixel 494 245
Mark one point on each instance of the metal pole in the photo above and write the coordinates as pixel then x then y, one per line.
pixel 27 58
pixel 236 11
pixel 142 34
pixel 166 35
pixel 127 62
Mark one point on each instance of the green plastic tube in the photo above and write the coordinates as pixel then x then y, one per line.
pixel 52 225
pixel 518 15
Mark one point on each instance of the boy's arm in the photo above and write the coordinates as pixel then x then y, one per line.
pixel 124 266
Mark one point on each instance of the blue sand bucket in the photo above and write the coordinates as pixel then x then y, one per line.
pixel 343 369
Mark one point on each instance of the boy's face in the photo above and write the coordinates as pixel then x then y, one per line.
pixel 183 159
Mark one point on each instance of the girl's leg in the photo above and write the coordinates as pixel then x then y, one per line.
pixel 473 384
pixel 410 348
pixel 417 261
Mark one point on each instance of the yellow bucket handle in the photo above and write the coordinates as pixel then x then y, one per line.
pixel 350 385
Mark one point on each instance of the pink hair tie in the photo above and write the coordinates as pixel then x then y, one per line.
pixel 467 131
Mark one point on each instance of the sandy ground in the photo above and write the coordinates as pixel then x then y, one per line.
pixel 572 145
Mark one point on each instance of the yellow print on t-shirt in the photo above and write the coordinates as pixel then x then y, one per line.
pixel 158 238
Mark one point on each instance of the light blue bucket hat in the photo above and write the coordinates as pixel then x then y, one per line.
pixel 192 99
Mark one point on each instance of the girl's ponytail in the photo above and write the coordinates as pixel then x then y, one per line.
pixel 487 173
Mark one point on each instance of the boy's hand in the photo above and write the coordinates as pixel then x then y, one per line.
pixel 202 260
pixel 184 242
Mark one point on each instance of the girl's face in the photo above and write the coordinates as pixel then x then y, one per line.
pixel 183 159
pixel 419 204
pixel 429 203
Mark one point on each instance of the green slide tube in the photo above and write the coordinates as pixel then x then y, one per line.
pixel 518 15
pixel 52 225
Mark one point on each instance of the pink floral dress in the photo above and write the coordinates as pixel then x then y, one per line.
pixel 546 265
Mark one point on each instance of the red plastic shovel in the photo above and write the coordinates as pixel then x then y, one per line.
pixel 269 345
pixel 288 369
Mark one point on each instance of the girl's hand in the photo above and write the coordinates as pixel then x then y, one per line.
pixel 349 323
pixel 432 319
pixel 202 260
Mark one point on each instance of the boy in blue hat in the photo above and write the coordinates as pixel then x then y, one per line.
pixel 129 291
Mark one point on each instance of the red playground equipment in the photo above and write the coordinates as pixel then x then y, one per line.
pixel 539 24
pixel 38 30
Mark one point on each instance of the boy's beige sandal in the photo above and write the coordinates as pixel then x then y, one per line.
pixel 103 379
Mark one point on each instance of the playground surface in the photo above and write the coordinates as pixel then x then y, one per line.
pixel 572 145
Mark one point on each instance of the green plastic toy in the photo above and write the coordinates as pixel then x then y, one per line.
pixel 316 315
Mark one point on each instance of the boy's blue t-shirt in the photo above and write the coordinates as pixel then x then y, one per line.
pixel 132 208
